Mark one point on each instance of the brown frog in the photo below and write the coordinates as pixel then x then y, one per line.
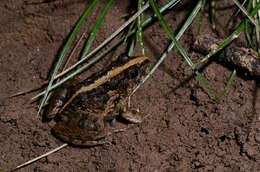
pixel 84 108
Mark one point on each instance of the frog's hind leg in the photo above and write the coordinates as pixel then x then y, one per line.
pixel 108 113
pixel 102 139
pixel 56 102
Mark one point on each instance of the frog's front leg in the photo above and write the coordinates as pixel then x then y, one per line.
pixel 113 109
pixel 130 114
pixel 56 102
pixel 59 97
pixel 110 105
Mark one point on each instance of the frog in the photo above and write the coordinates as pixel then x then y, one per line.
pixel 84 109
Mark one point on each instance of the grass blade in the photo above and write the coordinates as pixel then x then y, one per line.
pixel 246 13
pixel 67 45
pixel 96 28
pixel 170 34
pixel 227 85
pixel 146 22
pixel 229 39
pixel 106 41
pixel 212 13
pixel 202 12
pixel 139 26
pixel 165 26
pixel 170 47
pixel 257 16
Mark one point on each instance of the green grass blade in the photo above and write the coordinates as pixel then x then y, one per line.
pixel 167 6
pixel 96 28
pixel 139 26
pixel 257 19
pixel 244 2
pixel 163 23
pixel 227 85
pixel 170 34
pixel 247 14
pixel 170 47
pixel 212 13
pixel 84 67
pixel 202 12
pixel 132 46
pixel 204 82
pixel 67 45
pixel 146 22
pixel 110 38
pixel 229 39
pixel 249 40
pixel 130 50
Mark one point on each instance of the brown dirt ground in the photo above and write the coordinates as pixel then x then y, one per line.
pixel 187 129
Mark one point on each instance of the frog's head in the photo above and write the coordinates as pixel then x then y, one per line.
pixel 137 71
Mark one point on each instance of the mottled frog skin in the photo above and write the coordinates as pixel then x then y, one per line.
pixel 84 107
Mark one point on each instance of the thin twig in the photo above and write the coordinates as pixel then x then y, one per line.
pixel 64 145
pixel 40 157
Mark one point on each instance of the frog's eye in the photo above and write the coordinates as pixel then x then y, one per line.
pixel 125 58
pixel 64 118
pixel 138 65
pixel 81 123
pixel 133 73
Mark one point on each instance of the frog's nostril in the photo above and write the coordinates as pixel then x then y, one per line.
pixel 64 118
pixel 81 123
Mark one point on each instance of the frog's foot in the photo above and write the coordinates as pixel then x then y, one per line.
pixel 133 116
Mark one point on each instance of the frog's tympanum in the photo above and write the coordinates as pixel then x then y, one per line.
pixel 85 107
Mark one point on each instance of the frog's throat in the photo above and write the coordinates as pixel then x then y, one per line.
pixel 103 79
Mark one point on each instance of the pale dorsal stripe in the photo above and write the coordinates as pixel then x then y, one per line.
pixel 109 75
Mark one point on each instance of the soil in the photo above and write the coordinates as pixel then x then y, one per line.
pixel 187 130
